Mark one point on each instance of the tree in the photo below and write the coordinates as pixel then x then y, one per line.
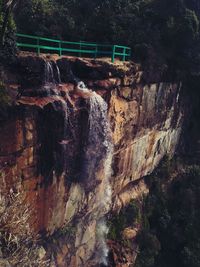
pixel 7 8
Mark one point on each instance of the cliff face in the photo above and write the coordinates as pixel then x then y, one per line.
pixel 49 150
pixel 146 124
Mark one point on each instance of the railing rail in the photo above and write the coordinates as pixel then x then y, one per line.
pixel 41 45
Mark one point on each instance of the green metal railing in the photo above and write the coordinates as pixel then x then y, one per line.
pixel 42 45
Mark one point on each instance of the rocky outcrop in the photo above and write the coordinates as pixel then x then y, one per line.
pixel 145 122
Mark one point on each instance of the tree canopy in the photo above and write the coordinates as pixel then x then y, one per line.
pixel 170 235
pixel 161 32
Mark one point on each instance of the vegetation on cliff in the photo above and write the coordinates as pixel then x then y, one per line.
pixel 5 101
pixel 167 221
pixel 7 31
pixel 127 217
pixel 18 244
pixel 171 233
pixel 162 33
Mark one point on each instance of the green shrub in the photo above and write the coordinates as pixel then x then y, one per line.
pixel 8 42
pixel 5 101
pixel 130 216
pixel 150 247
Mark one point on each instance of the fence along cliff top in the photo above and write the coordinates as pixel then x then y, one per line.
pixel 41 45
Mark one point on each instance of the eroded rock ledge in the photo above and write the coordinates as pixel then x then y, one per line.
pixel 145 120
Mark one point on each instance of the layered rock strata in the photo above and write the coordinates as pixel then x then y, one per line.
pixel 43 157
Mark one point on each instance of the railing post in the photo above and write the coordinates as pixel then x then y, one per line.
pixel 93 49
pixel 124 54
pixel 38 46
pixel 60 49
pixel 113 54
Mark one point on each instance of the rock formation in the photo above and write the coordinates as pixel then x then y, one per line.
pixel 56 147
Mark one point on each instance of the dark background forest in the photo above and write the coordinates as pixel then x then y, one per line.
pixel 162 33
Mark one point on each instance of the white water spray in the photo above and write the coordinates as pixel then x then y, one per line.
pixel 97 171
pixel 99 123
pixel 81 86
pixel 58 73
pixel 49 74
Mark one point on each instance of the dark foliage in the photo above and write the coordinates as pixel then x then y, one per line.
pixel 7 33
pixel 163 33
pixel 171 229
pixel 128 217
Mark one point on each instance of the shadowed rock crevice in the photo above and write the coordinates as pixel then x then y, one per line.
pixel 56 147
pixel 50 135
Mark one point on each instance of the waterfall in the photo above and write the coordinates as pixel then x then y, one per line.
pixel 58 73
pixel 96 174
pixel 52 74
pixel 49 73
pixel 99 135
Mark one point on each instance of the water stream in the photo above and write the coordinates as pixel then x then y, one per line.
pixel 97 172
pixel 52 79
pixel 52 73
pixel 100 134
pixel 96 167
pixel 49 73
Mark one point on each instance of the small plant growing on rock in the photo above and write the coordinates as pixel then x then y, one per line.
pixel 5 100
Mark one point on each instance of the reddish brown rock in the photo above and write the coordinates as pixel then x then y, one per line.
pixel 145 122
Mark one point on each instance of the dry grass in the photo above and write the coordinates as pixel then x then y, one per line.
pixel 18 244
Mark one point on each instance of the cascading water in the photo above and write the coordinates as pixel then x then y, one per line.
pixel 96 174
pixel 49 73
pixel 58 73
pixel 99 133
pixel 52 78
pixel 52 73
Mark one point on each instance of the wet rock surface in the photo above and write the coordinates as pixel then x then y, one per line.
pixel 42 147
